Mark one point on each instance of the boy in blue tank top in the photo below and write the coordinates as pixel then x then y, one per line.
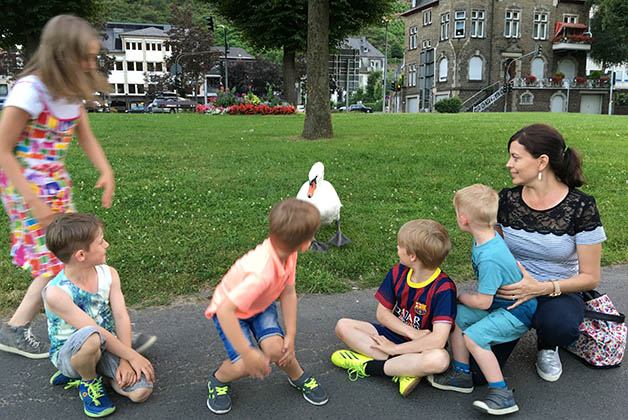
pixel 88 323
pixel 482 319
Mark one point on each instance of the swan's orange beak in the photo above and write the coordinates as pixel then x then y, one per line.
pixel 310 191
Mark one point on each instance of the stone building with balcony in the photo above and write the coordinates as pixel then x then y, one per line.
pixel 500 55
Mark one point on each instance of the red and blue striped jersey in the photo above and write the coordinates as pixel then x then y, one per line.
pixel 418 305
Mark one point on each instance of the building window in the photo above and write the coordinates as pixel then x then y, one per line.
pixel 475 68
pixel 540 26
pixel 427 17
pixel 130 66
pixel 131 88
pixel 112 86
pixel 128 45
pixel 442 70
pixel 159 47
pixel 511 25
pixel 412 40
pixel 526 98
pixel 538 68
pixel 150 66
pixel 118 65
pixel 119 87
pixel 459 24
pixel 412 75
pixel 570 18
pixel 477 23
pixel 444 26
pixel 158 67
pixel 426 44
pixel 139 66
pixel 140 89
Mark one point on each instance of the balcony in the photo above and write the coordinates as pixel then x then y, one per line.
pixel 571 37
pixel 555 82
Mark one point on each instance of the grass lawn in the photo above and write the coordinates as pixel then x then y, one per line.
pixel 193 191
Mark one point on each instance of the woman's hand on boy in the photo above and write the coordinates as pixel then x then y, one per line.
pixel 256 363
pixel 287 351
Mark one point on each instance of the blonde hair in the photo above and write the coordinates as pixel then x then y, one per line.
pixel 426 239
pixel 70 232
pixel 293 222
pixel 63 46
pixel 479 203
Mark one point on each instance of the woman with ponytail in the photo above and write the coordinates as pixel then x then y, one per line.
pixel 555 233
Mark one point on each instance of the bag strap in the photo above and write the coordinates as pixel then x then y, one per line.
pixel 605 317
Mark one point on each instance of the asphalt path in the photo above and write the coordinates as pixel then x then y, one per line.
pixel 188 350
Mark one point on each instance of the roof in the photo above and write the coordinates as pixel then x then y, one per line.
pixel 361 44
pixel 235 53
pixel 151 31
pixel 420 4
pixel 111 39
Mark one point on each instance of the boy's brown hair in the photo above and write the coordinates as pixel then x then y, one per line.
pixel 293 222
pixel 426 239
pixel 479 203
pixel 70 232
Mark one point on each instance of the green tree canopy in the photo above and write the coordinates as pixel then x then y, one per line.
pixel 609 26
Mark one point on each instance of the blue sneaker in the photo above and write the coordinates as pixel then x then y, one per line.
pixel 60 379
pixel 96 403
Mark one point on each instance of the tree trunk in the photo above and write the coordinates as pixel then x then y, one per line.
pixel 289 76
pixel 317 111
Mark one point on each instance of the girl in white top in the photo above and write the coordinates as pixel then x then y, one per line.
pixel 42 112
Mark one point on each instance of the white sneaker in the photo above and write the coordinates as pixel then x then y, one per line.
pixel 548 365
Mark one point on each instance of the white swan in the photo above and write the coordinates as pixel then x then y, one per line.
pixel 323 195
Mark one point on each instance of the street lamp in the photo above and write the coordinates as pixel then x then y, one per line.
pixel 226 59
pixel 384 89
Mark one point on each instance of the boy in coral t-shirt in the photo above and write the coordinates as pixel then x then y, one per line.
pixel 244 303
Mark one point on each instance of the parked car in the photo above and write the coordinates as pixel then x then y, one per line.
pixel 360 108
pixel 96 106
pixel 137 109
pixel 170 105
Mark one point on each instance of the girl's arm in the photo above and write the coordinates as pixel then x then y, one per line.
pixel 12 124
pixel 94 152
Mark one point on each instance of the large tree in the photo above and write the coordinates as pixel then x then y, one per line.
pixel 609 26
pixel 21 23
pixel 273 24
pixel 317 112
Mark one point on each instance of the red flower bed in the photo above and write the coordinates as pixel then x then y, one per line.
pixel 249 109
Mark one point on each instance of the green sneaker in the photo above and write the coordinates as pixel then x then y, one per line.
pixel 352 361
pixel 311 389
pixel 406 384
pixel 96 403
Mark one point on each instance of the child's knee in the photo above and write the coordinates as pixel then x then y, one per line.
pixel 91 345
pixel 342 326
pixel 439 360
pixel 273 349
pixel 140 395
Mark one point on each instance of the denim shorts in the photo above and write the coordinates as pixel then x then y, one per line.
pixel 487 328
pixel 263 325
pixel 107 365
pixel 389 334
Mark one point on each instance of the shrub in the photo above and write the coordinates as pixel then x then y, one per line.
pixel 560 75
pixel 595 74
pixel 530 78
pixel 225 98
pixel 449 105
pixel 622 99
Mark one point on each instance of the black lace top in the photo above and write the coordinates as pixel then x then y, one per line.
pixel 576 213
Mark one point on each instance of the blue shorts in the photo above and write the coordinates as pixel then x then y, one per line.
pixel 487 328
pixel 389 334
pixel 263 325
pixel 107 365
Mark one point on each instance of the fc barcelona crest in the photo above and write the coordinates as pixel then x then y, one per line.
pixel 420 308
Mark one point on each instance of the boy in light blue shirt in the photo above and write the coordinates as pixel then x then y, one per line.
pixel 484 320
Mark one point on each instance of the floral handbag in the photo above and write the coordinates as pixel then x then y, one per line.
pixel 602 340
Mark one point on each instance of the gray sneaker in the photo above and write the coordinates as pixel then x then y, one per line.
pixel 452 380
pixel 548 365
pixel 311 389
pixel 218 401
pixel 142 342
pixel 20 340
pixel 498 401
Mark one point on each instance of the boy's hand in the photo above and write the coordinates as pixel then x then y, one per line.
pixel 287 351
pixel 383 344
pixel 140 365
pixel 125 375
pixel 256 363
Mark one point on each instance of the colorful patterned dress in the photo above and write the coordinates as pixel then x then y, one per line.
pixel 41 150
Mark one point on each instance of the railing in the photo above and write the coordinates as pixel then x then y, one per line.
pixel 487 89
pixel 490 100
pixel 554 82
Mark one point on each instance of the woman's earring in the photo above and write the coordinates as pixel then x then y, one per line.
pixel 540 176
